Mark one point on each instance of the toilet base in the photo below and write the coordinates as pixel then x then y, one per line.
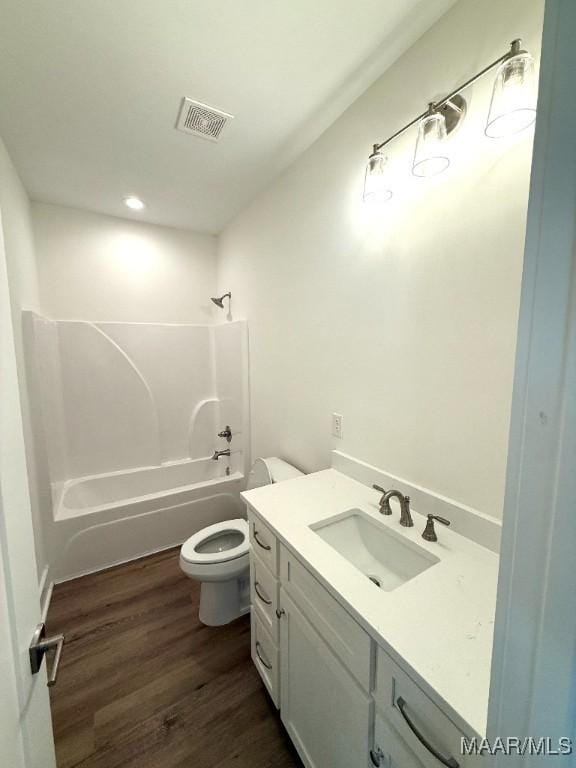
pixel 223 601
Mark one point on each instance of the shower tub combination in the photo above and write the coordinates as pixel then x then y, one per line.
pixel 129 416
pixel 111 518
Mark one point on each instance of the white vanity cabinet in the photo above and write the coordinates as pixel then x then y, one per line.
pixel 344 702
pixel 324 710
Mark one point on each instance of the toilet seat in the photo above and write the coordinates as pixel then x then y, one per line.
pixel 189 549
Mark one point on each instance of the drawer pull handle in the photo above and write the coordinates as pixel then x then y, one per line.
pixel 260 544
pixel 264 663
pixel 260 595
pixel 447 761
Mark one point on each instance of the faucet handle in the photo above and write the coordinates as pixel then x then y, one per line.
pixel 383 503
pixel 429 533
pixel 227 433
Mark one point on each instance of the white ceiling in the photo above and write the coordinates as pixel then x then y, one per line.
pixel 90 90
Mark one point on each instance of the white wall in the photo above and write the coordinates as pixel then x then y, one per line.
pixel 97 267
pixel 21 265
pixel 405 325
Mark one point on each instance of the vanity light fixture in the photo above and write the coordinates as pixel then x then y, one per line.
pixel 513 108
pixel 134 203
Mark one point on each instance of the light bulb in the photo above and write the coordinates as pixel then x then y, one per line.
pixel 513 105
pixel 376 189
pixel 431 156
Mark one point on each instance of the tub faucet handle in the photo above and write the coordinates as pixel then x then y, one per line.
pixel 227 433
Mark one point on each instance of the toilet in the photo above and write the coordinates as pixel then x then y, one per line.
pixel 217 556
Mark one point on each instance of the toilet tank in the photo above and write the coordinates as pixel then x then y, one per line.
pixel 270 470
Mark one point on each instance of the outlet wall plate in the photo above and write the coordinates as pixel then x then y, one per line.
pixel 337 425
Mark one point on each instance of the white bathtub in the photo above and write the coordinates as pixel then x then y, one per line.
pixel 138 511
pixel 134 487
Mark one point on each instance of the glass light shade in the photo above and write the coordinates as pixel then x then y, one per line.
pixel 513 105
pixel 376 189
pixel 431 156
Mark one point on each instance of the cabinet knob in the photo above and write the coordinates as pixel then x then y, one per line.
pixel 376 756
pixel 280 612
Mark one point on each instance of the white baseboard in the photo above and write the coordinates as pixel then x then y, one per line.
pixel 475 525
pixel 45 588
pixel 116 563
pixel 43 580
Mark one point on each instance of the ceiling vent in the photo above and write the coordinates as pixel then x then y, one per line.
pixel 202 120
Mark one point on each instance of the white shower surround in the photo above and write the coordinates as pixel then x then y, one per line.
pixel 128 421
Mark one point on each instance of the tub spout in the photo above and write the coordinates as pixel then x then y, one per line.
pixel 217 454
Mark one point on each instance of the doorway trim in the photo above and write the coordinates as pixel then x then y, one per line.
pixel 533 683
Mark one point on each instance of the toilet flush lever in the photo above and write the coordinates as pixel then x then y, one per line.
pixel 39 646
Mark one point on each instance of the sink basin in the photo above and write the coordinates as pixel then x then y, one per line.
pixel 384 556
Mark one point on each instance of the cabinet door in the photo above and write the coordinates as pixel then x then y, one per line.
pixel 390 750
pixel 324 710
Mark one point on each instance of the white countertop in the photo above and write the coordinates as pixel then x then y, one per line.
pixel 438 625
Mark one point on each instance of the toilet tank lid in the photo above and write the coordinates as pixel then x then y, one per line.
pixel 271 470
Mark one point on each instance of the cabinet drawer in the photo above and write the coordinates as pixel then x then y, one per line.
pixel 263 542
pixel 346 638
pixel 420 722
pixel 264 594
pixel 266 657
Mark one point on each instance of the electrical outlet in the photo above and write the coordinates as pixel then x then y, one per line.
pixel 337 423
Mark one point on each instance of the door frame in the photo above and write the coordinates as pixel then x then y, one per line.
pixel 28 727
pixel 11 741
pixel 534 657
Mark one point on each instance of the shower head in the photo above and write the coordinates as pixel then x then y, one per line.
pixel 220 301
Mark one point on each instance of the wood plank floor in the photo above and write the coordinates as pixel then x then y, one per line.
pixel 143 683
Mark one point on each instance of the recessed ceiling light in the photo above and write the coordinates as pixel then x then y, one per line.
pixel 134 203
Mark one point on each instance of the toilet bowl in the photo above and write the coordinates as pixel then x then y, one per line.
pixel 218 555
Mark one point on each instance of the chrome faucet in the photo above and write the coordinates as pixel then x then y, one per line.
pixel 217 454
pixel 405 516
